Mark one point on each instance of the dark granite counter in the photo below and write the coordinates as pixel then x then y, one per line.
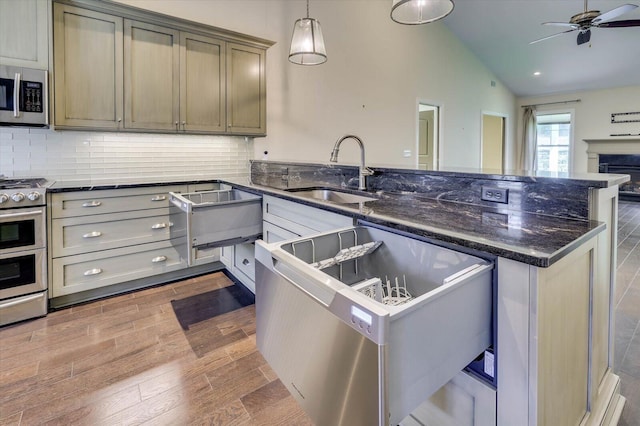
pixel 545 218
pixel 535 239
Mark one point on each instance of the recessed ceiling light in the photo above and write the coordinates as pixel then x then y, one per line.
pixel 537 73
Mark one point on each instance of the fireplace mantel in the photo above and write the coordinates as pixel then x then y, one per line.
pixel 609 146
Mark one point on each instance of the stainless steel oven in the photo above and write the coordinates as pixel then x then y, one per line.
pixel 23 97
pixel 23 250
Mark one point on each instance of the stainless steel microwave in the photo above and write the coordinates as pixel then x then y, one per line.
pixel 23 97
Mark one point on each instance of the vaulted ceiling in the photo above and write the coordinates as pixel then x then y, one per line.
pixel 499 32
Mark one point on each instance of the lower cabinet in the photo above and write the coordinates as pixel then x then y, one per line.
pixel 102 240
pixel 463 401
pixel 72 274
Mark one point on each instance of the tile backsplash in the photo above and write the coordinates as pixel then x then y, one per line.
pixel 73 155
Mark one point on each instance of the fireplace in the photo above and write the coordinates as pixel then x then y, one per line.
pixel 625 165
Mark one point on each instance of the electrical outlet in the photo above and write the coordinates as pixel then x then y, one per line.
pixel 495 195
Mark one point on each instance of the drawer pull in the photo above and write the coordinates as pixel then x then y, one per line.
pixel 245 262
pixel 159 226
pixel 159 259
pixel 94 271
pixel 92 234
pixel 92 204
pixel 159 198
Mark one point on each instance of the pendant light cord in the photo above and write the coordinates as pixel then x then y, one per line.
pixel 307 9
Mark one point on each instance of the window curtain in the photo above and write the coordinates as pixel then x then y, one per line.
pixel 529 141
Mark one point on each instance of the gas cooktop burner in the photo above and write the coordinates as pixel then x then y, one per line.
pixel 22 183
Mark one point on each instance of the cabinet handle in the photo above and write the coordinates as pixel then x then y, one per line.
pixel 184 126
pixel 159 259
pixel 16 95
pixel 92 234
pixel 94 271
pixel 159 226
pixel 92 204
pixel 159 198
pixel 245 262
pixel 177 126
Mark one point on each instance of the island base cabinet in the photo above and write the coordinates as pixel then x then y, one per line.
pixel 463 401
pixel 546 338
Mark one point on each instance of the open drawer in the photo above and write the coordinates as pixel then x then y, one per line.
pixel 207 219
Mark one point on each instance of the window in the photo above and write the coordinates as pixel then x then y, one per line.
pixel 553 142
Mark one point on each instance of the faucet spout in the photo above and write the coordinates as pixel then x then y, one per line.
pixel 363 170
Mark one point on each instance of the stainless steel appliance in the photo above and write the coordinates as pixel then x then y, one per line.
pixel 23 97
pixel 363 324
pixel 219 218
pixel 23 249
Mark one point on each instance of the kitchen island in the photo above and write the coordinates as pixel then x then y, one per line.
pixel 552 298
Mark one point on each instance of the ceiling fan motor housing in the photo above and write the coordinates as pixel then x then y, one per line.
pixel 584 19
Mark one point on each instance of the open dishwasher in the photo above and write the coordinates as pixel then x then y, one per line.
pixel 363 324
pixel 217 218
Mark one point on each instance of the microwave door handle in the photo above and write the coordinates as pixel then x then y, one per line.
pixel 16 95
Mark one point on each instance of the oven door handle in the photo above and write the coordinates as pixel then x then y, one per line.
pixel 21 214
pixel 22 300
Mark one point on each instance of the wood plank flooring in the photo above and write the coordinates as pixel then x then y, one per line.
pixel 627 327
pixel 126 360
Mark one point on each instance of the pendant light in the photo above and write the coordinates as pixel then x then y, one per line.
pixel 414 12
pixel 307 44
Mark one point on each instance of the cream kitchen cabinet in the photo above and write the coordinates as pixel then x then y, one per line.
pixel 24 33
pixel 103 241
pixel 88 70
pixel 155 73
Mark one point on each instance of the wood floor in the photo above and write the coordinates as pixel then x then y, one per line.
pixel 627 329
pixel 127 360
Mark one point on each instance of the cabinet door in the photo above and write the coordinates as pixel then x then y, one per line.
pixel 24 33
pixel 246 90
pixel 202 84
pixel 151 76
pixel 88 68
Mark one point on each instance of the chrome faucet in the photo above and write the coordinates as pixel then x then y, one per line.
pixel 364 171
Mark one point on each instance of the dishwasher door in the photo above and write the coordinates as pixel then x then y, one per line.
pixel 209 219
pixel 351 358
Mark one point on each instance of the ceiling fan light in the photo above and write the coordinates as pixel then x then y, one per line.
pixel 415 12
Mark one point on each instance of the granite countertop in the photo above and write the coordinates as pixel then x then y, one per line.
pixel 535 239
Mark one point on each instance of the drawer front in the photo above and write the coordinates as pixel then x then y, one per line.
pixel 272 233
pixel 83 234
pixel 301 219
pixel 72 274
pixel 244 259
pixel 83 203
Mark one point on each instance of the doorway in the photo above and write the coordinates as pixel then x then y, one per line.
pixel 493 143
pixel 428 119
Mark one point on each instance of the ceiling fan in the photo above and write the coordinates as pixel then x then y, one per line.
pixel 583 22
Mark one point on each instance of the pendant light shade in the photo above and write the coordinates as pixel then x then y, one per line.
pixel 307 43
pixel 414 12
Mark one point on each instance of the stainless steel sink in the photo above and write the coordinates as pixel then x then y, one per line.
pixel 333 195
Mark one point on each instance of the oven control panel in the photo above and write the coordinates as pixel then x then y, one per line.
pixel 26 198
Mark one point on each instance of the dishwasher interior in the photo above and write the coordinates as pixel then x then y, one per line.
pixel 364 317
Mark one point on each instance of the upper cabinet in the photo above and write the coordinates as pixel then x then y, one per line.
pixel 246 89
pixel 88 69
pixel 154 73
pixel 24 33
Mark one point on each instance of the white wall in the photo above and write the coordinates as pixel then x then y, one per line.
pixel 592 116
pixel 376 72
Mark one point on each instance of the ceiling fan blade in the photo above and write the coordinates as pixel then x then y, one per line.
pixel 562 24
pixel 614 13
pixel 551 36
pixel 620 24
